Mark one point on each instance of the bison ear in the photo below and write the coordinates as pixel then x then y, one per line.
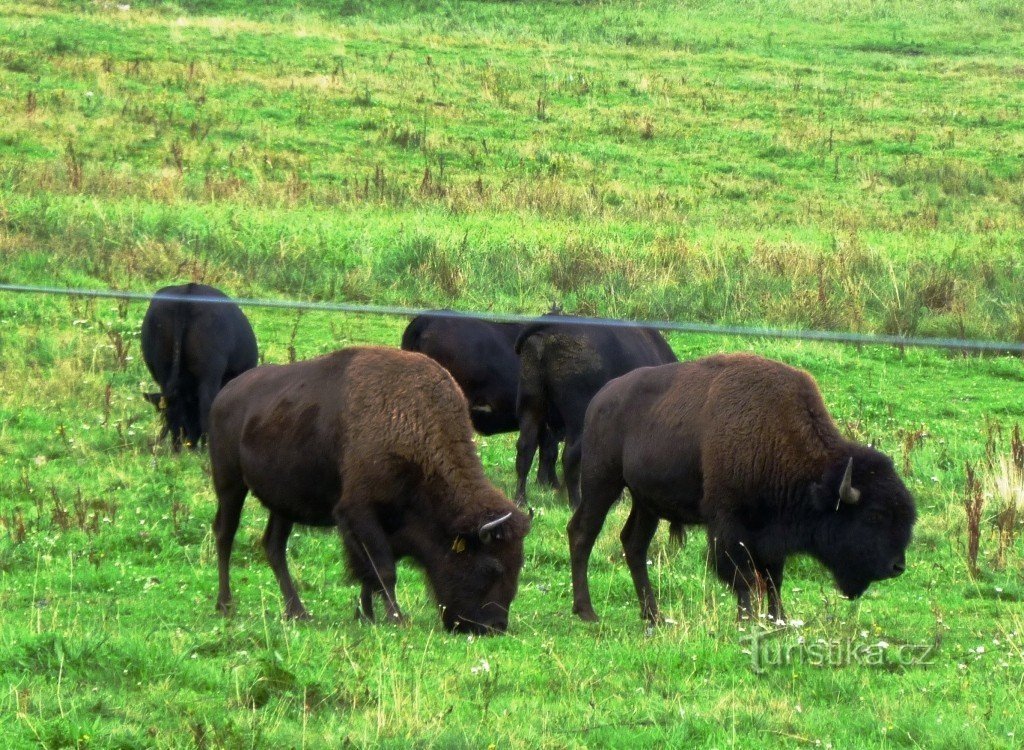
pixel 493 529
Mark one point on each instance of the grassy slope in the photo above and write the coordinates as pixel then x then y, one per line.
pixel 842 165
pixel 839 168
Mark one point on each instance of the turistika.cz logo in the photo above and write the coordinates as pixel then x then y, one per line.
pixel 769 649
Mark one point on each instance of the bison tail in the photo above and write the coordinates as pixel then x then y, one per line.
pixel 677 533
pixel 533 337
pixel 172 387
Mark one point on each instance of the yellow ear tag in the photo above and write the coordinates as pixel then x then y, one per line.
pixel 163 404
pixel 459 545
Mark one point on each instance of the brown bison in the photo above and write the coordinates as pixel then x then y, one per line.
pixel 745 446
pixel 192 348
pixel 377 442
pixel 482 358
pixel 562 366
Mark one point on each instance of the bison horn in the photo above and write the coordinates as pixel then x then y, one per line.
pixel 487 528
pixel 847 492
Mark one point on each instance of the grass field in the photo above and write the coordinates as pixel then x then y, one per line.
pixel 852 166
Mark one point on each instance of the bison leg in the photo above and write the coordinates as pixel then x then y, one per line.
pixel 366 603
pixel 530 426
pixel 773 578
pixel 571 469
pixel 546 474
pixel 177 431
pixel 275 545
pixel 584 526
pixel 636 539
pixel 371 558
pixel 207 392
pixel 229 510
pixel 574 412
pixel 735 566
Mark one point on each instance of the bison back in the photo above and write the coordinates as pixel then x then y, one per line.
pixel 296 433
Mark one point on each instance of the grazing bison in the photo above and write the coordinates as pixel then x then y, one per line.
pixel 482 358
pixel 562 366
pixel 377 442
pixel 192 348
pixel 745 446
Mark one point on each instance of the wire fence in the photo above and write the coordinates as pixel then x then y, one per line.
pixel 860 339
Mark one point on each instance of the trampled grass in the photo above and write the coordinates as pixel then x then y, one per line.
pixel 853 166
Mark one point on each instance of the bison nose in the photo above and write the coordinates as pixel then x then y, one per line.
pixel 898 567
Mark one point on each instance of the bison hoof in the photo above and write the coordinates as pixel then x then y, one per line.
pixel 549 482
pixel 587 614
pixel 297 613
pixel 226 608
pixel 654 620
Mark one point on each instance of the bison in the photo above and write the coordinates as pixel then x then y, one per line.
pixel 562 366
pixel 744 446
pixel 377 442
pixel 192 348
pixel 482 358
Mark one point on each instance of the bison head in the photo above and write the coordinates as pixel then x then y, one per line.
pixel 478 574
pixel 180 417
pixel 867 516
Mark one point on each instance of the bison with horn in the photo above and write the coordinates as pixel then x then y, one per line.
pixel 744 446
pixel 377 442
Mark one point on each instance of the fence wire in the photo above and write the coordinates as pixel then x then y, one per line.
pixel 837 337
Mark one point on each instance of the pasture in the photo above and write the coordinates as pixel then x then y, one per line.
pixel 810 164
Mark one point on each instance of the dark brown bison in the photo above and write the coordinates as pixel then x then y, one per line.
pixel 482 358
pixel 744 446
pixel 377 442
pixel 562 366
pixel 192 348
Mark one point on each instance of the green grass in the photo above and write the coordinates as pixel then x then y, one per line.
pixel 849 166
pixel 109 637
pixel 842 167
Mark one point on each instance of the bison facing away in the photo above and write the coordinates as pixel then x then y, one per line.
pixel 378 443
pixel 192 348
pixel 481 356
pixel 562 366
pixel 744 446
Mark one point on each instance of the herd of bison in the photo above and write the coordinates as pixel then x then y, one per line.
pixel 378 442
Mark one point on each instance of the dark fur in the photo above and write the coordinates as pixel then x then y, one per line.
pixel 377 442
pixel 481 356
pixel 192 349
pixel 562 366
pixel 745 446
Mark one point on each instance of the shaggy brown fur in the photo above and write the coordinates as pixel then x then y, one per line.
pixel 745 446
pixel 378 442
pixel 481 356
